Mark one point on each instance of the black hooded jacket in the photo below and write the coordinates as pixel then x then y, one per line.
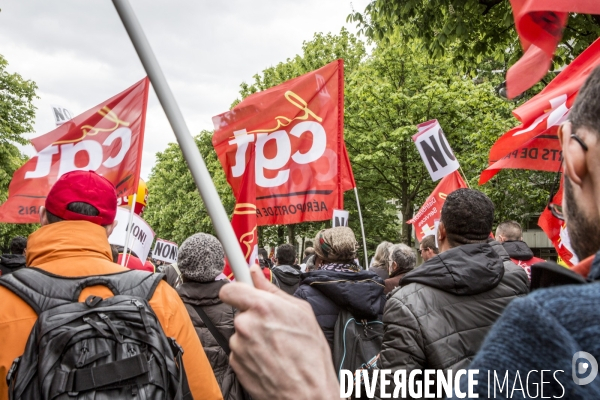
pixel 440 315
pixel 9 263
pixel 518 250
pixel 328 292
pixel 288 277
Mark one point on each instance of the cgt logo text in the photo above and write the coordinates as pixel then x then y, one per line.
pixel 429 383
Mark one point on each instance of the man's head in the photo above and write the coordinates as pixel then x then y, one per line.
pixel 402 259
pixel 81 196
pixel 427 247
pixel 509 231
pixel 201 258
pixel 309 251
pixel 467 217
pixel 581 162
pixel 18 245
pixel 286 254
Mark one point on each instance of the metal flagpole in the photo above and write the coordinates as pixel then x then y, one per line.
pixel 190 151
pixel 128 230
pixel 362 229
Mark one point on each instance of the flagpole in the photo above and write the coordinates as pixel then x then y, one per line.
pixel 464 176
pixel 190 151
pixel 128 229
pixel 362 229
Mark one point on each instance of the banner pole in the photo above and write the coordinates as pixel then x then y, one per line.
pixel 128 230
pixel 362 229
pixel 464 176
pixel 190 151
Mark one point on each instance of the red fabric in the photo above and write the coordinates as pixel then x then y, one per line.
pixel 132 262
pixel 526 265
pixel 107 139
pixel 540 119
pixel 431 210
pixel 540 24
pixel 83 186
pixel 295 131
pixel 243 220
pixel 584 267
pixel 556 231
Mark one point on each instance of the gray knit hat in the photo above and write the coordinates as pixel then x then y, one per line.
pixel 201 258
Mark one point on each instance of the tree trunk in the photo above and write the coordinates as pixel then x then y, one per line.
pixel 291 236
pixel 280 235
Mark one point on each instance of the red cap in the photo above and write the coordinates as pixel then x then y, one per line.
pixel 87 187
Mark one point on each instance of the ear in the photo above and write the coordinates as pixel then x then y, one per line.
pixel 43 216
pixel 441 236
pixel 574 160
pixel 393 267
pixel 110 228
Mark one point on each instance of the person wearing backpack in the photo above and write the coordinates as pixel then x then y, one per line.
pixel 339 284
pixel 201 259
pixel 73 270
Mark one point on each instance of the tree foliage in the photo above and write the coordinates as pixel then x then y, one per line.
pixel 471 31
pixel 17 113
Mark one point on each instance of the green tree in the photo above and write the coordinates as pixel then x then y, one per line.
pixel 471 31
pixel 17 113
pixel 175 210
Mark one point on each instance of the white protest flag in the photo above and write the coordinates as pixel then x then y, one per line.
pixel 340 218
pixel 61 115
pixel 165 250
pixel 435 150
pixel 141 237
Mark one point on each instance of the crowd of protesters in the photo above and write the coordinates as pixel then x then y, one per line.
pixel 467 305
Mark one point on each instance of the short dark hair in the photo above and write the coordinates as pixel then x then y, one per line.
pixel 511 230
pixel 78 207
pixel 586 108
pixel 17 245
pixel 428 242
pixel 263 253
pixel 286 254
pixel 468 216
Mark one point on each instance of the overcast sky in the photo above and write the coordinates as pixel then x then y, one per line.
pixel 79 54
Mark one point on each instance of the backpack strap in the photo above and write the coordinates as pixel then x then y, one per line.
pixel 213 329
pixel 43 291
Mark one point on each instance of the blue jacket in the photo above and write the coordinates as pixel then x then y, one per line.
pixel 328 292
pixel 543 331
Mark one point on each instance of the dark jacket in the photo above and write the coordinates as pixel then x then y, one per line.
pixel 544 331
pixel 521 255
pixel 206 295
pixel 10 263
pixel 288 277
pixel 392 283
pixel 381 272
pixel 440 315
pixel 328 292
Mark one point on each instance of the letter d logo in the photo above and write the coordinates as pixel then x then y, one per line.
pixel 582 363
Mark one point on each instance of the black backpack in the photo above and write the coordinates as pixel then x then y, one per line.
pixel 97 349
pixel 356 343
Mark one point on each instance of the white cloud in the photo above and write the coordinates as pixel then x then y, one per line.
pixel 79 54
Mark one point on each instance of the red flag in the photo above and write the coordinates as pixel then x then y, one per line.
pixel 432 208
pixel 296 132
pixel 244 219
pixel 540 24
pixel 107 139
pixel 541 116
pixel 556 230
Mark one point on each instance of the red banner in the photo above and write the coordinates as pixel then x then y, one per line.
pixel 540 24
pixel 431 210
pixel 295 131
pixel 540 118
pixel 556 230
pixel 107 139
pixel 244 220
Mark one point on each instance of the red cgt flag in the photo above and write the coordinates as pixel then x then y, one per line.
pixel 540 24
pixel 540 119
pixel 295 131
pixel 432 208
pixel 107 139
pixel 556 230
pixel 244 220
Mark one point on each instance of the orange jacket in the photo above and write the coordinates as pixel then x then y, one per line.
pixel 80 248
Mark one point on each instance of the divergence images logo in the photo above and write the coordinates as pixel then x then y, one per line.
pixel 584 368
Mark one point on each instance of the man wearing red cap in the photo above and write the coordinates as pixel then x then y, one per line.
pixel 78 217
